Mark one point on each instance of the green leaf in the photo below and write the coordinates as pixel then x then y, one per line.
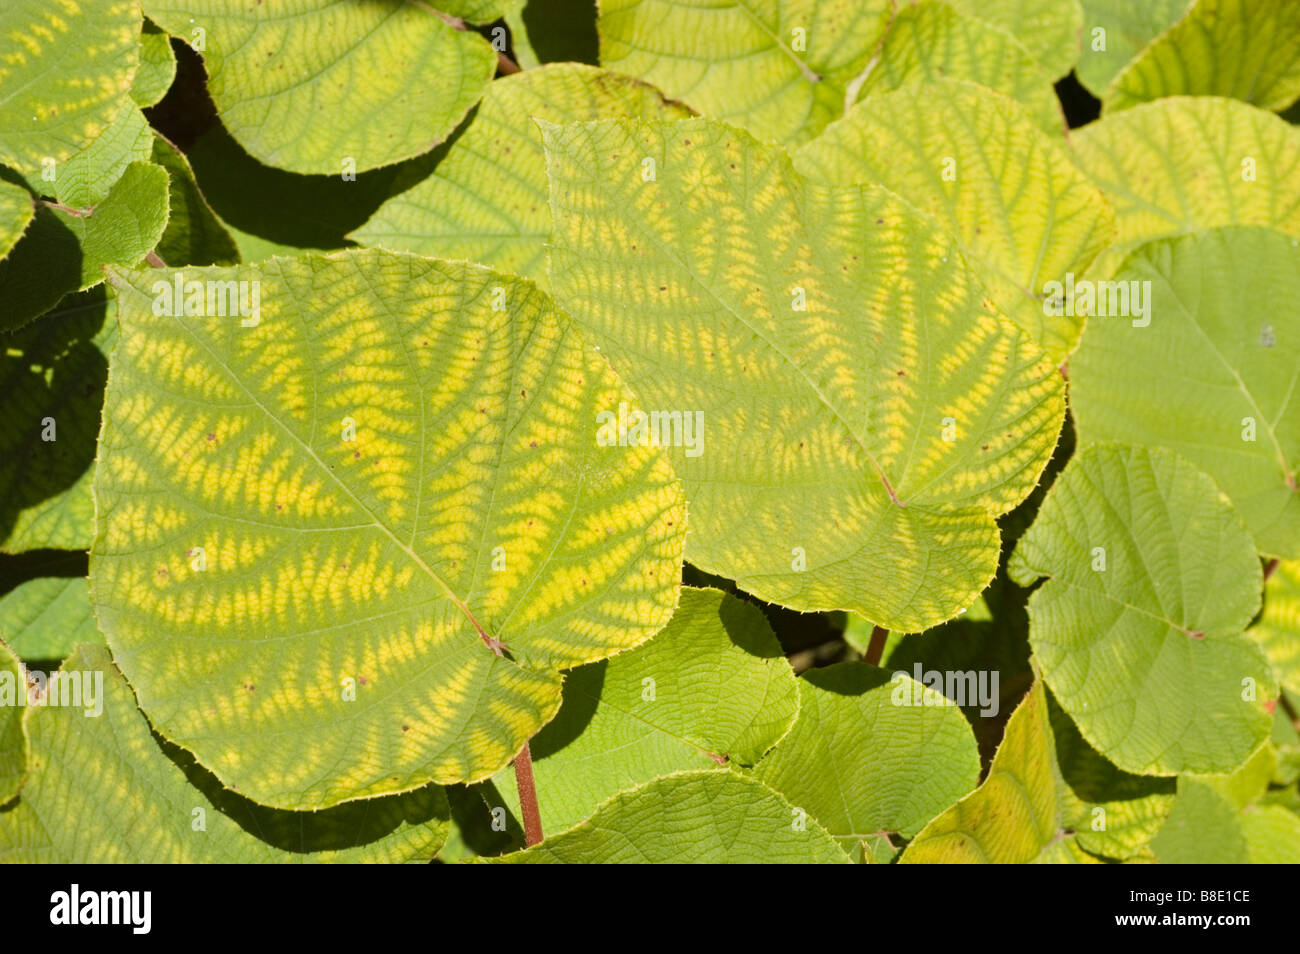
pixel 390 467
pixel 973 159
pixel 1202 829
pixel 1112 813
pixel 87 178
pixel 1017 815
pixel 64 252
pixel 1244 49
pixel 929 41
pixel 1272 835
pixel 690 818
pixel 1186 164
pixel 713 687
pixel 52 378
pixel 872 755
pixel 1278 629
pixel 782 69
pixel 194 236
pixel 13 737
pixel 16 211
pixel 1129 28
pixel 487 200
pixel 103 789
pixel 65 78
pixel 1048 29
pixel 818 473
pixel 1213 376
pixel 46 618
pixel 157 67
pixel 307 85
pixel 1138 630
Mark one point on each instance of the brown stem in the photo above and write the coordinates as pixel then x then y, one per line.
pixel 1289 710
pixel 1270 568
pixel 876 648
pixel 155 261
pixel 506 66
pixel 528 797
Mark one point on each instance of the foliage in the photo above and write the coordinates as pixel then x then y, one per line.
pixel 782 431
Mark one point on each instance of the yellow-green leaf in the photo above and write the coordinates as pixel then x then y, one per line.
pixel 1048 29
pixel 691 818
pixel 858 414
pixel 928 40
pixel 486 200
pixel 313 85
pixel 974 160
pixel 1185 164
pixel 1244 49
pixel 322 514
pixel 1209 369
pixel 1017 815
pixel 1138 629
pixel 712 688
pixel 781 69
pixel 1278 629
pixel 102 789
pixel 66 74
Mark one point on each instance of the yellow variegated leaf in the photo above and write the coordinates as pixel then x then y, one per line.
pixel 1246 49
pixel 781 69
pixel 65 73
pixel 486 200
pixel 1184 164
pixel 313 85
pixel 851 413
pixel 346 537
pixel 974 160
pixel 101 788
pixel 929 40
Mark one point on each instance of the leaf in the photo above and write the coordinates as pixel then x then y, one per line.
pixel 928 40
pixel 1272 835
pixel 157 67
pixel 1048 29
pixel 486 201
pixel 353 464
pixel 713 687
pixel 742 61
pixel 1138 630
pixel 16 211
pixel 872 755
pixel 305 85
pixel 1021 211
pixel 819 477
pixel 63 253
pixel 66 78
pixel 52 378
pixel 1244 49
pixel 1112 813
pixel 1017 815
pixel 1184 165
pixel 1278 629
pixel 690 818
pixel 46 618
pixel 13 738
pixel 1129 28
pixel 1202 829
pixel 102 789
pixel 1213 376
pixel 194 236
pixel 87 178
